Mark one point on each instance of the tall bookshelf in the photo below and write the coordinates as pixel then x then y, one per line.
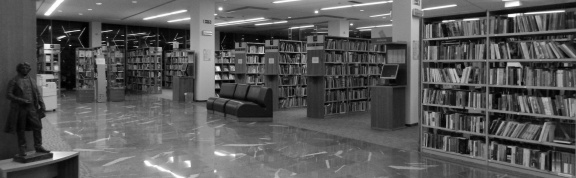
pixel 249 63
pixel 285 71
pixel 86 74
pixel 500 90
pixel 225 68
pixel 115 72
pixel 144 70
pixel 340 71
pixel 49 61
pixel 175 64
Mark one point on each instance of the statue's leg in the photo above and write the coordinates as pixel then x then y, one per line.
pixel 21 136
pixel 38 141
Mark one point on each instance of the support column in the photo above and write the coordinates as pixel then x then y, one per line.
pixel 407 29
pixel 202 20
pixel 339 28
pixel 18 37
pixel 95 34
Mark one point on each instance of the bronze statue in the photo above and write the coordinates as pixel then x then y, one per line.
pixel 26 109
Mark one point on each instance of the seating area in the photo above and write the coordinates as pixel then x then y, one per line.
pixel 243 101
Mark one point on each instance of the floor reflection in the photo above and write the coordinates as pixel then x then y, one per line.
pixel 147 136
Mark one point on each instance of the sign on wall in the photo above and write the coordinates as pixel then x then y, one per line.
pixel 207 21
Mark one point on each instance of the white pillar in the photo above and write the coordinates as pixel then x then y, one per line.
pixel 338 28
pixel 202 20
pixel 95 34
pixel 406 29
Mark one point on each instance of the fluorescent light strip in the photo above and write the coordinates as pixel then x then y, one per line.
pixel 356 5
pixel 446 21
pixel 71 31
pixel 362 30
pixel 387 25
pixel 471 19
pixel 241 21
pixel 178 20
pixel 166 14
pixel 439 7
pixel 106 31
pixel 284 1
pixel 380 15
pixel 53 7
pixel 270 23
pixel 545 12
pixel 306 26
pixel 512 4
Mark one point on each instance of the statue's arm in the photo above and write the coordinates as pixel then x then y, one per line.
pixel 11 95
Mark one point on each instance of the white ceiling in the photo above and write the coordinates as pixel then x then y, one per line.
pixel 127 12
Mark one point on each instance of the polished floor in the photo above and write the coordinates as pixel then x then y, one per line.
pixel 150 136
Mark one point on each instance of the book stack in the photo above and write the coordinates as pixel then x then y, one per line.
pixel 144 67
pixel 176 64
pixel 86 68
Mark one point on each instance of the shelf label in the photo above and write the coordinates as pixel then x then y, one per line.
pixel 270 60
pixel 315 60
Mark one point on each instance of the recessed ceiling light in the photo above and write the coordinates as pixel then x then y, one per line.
pixel 439 7
pixel 98 3
pixel 316 11
pixel 471 19
pixel 512 4
pixel 289 17
pixel 166 14
pixel 351 24
pixel 361 9
pixel 284 1
pixel 215 14
pixel 134 2
pixel 220 8
pixel 89 9
pixel 356 5
pixel 178 20
pixel 270 23
pixel 306 26
pixel 387 25
pixel 380 15
pixel 53 7
pixel 80 14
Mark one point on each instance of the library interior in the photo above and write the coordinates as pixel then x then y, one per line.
pixel 288 88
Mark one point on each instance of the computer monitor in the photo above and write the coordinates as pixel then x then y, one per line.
pixel 389 71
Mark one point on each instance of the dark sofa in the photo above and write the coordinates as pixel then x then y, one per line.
pixel 242 100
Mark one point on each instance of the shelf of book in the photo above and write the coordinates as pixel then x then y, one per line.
pixel 176 62
pixel 86 74
pixel 285 71
pixel 49 61
pixel 456 131
pixel 477 160
pixel 115 72
pixel 249 63
pixel 225 68
pixel 525 69
pixel 144 70
pixel 340 69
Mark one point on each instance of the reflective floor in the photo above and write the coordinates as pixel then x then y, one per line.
pixel 147 136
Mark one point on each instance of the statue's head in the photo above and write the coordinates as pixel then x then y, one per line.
pixel 23 68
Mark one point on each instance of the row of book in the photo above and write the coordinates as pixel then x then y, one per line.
pixel 363 70
pixel 367 58
pixel 178 54
pixel 146 67
pixel 558 105
pixel 254 79
pixel 255 69
pixel 285 92
pixel 225 68
pixel 455 28
pixel 146 59
pixel 292 102
pixel 470 75
pixel 292 80
pixel 456 50
pixel 461 145
pixel 332 82
pixel 181 59
pixel 559 162
pixel 88 53
pixel 86 75
pixel 358 94
pixel 345 44
pixel 254 59
pixel 454 121
pixel 292 69
pixel 224 77
pixel 146 51
pixel 528 76
pixel 224 53
pixel 355 106
pixel 289 46
pixel 226 60
pixel 335 108
pixel 180 67
pixel 117 76
pixel 256 49
pixel 459 98
pixel 335 96
pixel 532 50
pixel 561 133
pixel 174 73
pixel 149 74
pixel 116 68
pixel 533 23
pixel 292 58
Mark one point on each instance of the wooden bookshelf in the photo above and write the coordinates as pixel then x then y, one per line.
pixel 527 79
pixel 225 68
pixel 340 71
pixel 115 72
pixel 176 63
pixel 49 61
pixel 285 71
pixel 86 74
pixel 144 70
pixel 250 63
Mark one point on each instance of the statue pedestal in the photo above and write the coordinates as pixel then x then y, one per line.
pixel 62 165
pixel 33 157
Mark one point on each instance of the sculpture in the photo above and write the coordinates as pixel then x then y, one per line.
pixel 26 110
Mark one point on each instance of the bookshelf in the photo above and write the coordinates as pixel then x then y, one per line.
pixel 225 68
pixel 86 74
pixel 176 62
pixel 249 63
pixel 115 72
pixel 285 70
pixel 340 71
pixel 502 89
pixel 144 70
pixel 49 61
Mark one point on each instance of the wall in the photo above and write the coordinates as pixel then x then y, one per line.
pixel 17 34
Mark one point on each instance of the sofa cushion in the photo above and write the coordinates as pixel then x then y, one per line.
pixel 246 109
pixel 254 94
pixel 241 91
pixel 227 90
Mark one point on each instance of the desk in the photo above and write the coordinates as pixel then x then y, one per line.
pixel 62 165
pixel 388 111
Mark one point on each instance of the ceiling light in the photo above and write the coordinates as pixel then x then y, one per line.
pixel 336 7
pixel 315 11
pixel 362 30
pixel 472 19
pixel 351 24
pixel 306 26
pixel 387 25
pixel 106 31
pixel 356 5
pixel 512 4
pixel 545 12
pixel 220 8
pixel 80 14
pixel 98 3
pixel 215 14
pixel 361 10
pixel 380 15
pixel 439 7
pixel 270 23
pixel 289 17
pixel 178 20
pixel 166 14
pixel 134 2
pixel 89 9
pixel 53 7
pixel 241 21
pixel 283 1
pixel 446 21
